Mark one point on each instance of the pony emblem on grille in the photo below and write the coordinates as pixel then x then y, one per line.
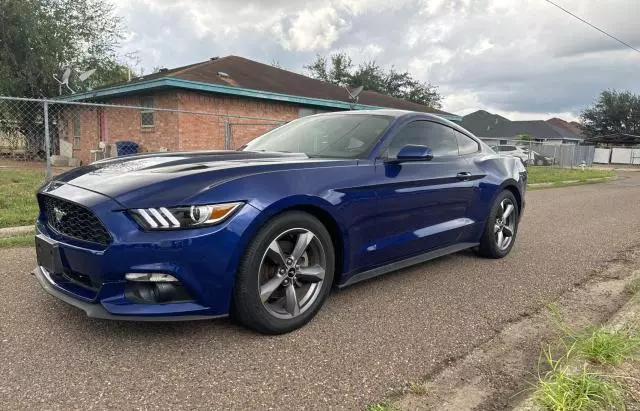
pixel 59 214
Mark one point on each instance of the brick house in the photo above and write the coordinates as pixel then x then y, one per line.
pixel 221 103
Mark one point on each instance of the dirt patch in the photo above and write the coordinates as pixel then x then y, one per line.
pixel 498 374
pixel 29 166
pixel 630 373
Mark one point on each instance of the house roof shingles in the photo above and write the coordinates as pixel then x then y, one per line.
pixel 485 124
pixel 249 74
pixel 572 128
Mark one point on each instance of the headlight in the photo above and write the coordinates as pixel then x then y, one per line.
pixel 173 218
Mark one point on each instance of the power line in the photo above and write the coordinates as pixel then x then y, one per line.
pixel 591 25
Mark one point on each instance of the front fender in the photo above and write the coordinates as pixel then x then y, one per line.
pixel 328 213
pixel 335 195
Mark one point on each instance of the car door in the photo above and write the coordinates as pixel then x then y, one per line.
pixel 423 205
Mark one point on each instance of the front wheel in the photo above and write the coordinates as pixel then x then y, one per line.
pixel 501 228
pixel 285 274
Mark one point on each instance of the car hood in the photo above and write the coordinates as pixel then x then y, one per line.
pixel 173 178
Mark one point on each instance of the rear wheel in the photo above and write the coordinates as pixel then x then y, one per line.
pixel 285 275
pixel 501 228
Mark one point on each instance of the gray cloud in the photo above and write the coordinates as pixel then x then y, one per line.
pixel 524 58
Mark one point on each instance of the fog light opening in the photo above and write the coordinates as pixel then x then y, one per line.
pixel 154 288
pixel 150 277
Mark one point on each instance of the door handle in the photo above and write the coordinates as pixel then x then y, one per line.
pixel 465 175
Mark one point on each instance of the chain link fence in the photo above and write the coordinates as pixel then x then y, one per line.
pixel 60 134
pixel 22 130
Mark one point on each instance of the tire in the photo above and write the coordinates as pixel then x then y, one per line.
pixel 490 247
pixel 266 268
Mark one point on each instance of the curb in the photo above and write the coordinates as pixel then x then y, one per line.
pixel 16 231
pixel 590 180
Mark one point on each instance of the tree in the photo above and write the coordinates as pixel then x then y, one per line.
pixel 339 70
pixel 369 75
pixel 43 38
pixel 40 38
pixel 341 66
pixel 613 112
pixel 318 68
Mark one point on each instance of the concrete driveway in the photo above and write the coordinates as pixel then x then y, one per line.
pixel 367 341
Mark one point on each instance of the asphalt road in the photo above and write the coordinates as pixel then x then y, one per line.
pixel 369 339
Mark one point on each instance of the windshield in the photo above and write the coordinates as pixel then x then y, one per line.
pixel 332 136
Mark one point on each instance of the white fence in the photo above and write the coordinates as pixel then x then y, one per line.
pixel 617 155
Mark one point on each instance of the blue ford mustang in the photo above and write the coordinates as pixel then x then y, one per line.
pixel 264 233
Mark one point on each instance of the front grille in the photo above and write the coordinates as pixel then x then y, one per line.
pixel 72 220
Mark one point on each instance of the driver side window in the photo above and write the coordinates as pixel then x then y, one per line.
pixel 440 139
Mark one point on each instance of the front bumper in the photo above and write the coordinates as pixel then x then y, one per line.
pixel 92 277
pixel 95 310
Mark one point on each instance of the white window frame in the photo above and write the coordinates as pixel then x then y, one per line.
pixel 148 103
pixel 75 128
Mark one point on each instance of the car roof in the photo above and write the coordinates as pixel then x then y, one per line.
pixel 398 114
pixel 384 112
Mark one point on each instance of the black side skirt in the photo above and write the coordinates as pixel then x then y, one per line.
pixel 365 275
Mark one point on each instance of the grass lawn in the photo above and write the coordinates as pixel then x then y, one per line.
pixel 557 175
pixel 20 241
pixel 18 204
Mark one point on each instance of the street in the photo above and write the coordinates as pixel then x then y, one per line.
pixel 368 340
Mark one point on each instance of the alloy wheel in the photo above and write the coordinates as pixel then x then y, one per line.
pixel 505 224
pixel 291 273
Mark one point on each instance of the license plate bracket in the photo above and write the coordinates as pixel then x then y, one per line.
pixel 48 255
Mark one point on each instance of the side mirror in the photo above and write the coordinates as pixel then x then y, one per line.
pixel 412 152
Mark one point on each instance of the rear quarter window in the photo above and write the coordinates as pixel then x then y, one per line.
pixel 466 145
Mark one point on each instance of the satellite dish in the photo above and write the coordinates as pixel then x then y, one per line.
pixel 86 74
pixel 65 76
pixel 353 94
pixel 64 81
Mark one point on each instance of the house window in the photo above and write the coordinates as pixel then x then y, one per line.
pixel 75 126
pixel 147 113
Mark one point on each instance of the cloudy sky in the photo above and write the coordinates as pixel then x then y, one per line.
pixel 524 59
